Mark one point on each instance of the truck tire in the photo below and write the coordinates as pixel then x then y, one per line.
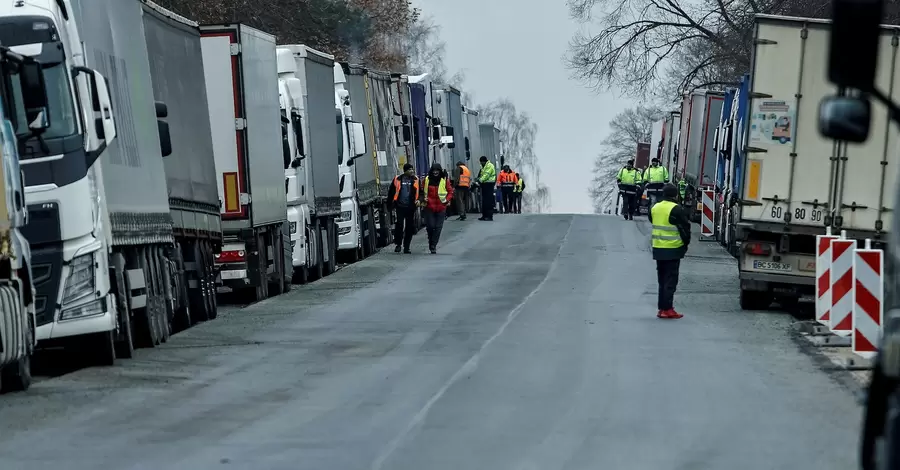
pixel 331 233
pixel 261 292
pixel 755 300
pixel 16 377
pixel 101 349
pixel 317 270
pixel 276 282
pixel 209 274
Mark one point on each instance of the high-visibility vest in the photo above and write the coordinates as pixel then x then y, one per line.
pixel 488 173
pixel 682 188
pixel 397 187
pixel 656 174
pixel 632 176
pixel 519 185
pixel 442 189
pixel 465 176
pixel 665 235
pixel 507 179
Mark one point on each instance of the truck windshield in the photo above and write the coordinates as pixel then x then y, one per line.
pixel 63 120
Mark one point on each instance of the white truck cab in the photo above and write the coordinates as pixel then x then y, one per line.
pixel 353 138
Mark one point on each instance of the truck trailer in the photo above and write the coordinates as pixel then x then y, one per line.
pixel 176 74
pixel 245 121
pixel 353 145
pixel 696 162
pixel 795 181
pixel 387 148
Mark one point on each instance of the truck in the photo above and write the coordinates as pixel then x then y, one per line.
pixel 696 163
pixel 314 193
pixel 177 77
pixel 796 182
pixel 24 115
pixel 732 151
pixel 473 153
pixel 490 145
pixel 448 111
pixel 669 150
pixel 419 100
pixel 100 226
pixel 352 136
pixel 370 97
pixel 241 77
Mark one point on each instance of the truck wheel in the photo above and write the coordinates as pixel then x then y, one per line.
pixel 16 377
pixel 101 348
pixel 276 285
pixel 316 271
pixel 331 239
pixel 209 275
pixel 755 300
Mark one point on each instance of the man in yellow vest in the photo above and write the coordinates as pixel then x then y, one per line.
pixel 487 178
pixel 436 195
pixel 628 179
pixel 655 178
pixel 670 237
pixel 463 178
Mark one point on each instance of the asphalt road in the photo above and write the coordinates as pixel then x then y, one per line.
pixel 526 343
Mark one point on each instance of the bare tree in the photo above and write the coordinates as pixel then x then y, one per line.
pixel 517 135
pixel 627 129
pixel 657 47
pixel 426 53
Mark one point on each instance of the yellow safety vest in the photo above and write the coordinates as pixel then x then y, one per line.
pixel 664 234
pixel 519 185
pixel 656 174
pixel 632 176
pixel 442 189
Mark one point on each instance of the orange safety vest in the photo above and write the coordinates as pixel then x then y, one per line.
pixel 397 187
pixel 465 176
pixel 507 179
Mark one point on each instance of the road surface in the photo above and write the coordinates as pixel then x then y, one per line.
pixel 526 343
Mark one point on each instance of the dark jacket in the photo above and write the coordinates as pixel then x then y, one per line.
pixel 411 201
pixel 679 218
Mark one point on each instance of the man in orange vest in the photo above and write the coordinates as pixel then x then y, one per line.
pixel 403 194
pixel 463 179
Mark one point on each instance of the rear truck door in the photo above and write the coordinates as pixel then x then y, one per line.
pixel 787 161
pixel 864 184
pixel 221 68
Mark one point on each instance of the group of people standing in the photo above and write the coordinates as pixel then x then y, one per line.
pixel 633 182
pixel 439 190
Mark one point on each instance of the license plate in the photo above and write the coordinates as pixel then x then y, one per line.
pixel 232 274
pixel 771 266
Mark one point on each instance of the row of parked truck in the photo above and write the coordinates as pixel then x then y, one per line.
pixel 150 162
pixel 777 182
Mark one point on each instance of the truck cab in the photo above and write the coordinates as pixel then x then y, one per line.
pixel 69 236
pixel 353 146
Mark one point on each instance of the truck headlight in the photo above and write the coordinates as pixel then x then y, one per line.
pixel 81 281
pixel 346 216
pixel 293 227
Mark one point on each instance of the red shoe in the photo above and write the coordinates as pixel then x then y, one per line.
pixel 671 313
pixel 662 314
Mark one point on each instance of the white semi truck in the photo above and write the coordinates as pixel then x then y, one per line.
pixel 101 230
pixel 306 78
pixel 24 115
pixel 796 182
pixel 352 136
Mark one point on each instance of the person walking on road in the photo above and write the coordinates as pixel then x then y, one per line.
pixel 402 194
pixel 487 178
pixel 628 180
pixel 436 195
pixel 517 192
pixel 463 180
pixel 670 237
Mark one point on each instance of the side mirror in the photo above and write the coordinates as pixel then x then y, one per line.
pixel 298 132
pixel 350 162
pixel 845 118
pixel 101 126
pixel 855 28
pixel 165 138
pixel 358 140
pixel 34 95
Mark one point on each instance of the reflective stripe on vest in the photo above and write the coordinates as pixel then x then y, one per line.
pixel 664 234
pixel 442 189
pixel 397 187
pixel 629 176
pixel 465 176
pixel 656 174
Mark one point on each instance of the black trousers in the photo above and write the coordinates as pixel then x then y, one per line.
pixel 667 276
pixel 507 198
pixel 517 203
pixel 461 195
pixel 488 199
pixel 629 204
pixel 405 226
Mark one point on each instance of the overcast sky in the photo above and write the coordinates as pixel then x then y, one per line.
pixel 510 48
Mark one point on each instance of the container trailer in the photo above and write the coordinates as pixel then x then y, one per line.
pixel 696 162
pixel 315 199
pixel 352 136
pixel 473 153
pixel 669 149
pixel 797 182
pixel 177 77
pixel 24 115
pixel 241 84
pixel 388 147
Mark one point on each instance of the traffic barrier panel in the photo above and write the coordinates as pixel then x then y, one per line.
pixel 823 276
pixel 840 319
pixel 706 219
pixel 868 300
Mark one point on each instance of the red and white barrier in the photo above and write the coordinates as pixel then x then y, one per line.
pixel 868 300
pixel 823 276
pixel 840 319
pixel 706 219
